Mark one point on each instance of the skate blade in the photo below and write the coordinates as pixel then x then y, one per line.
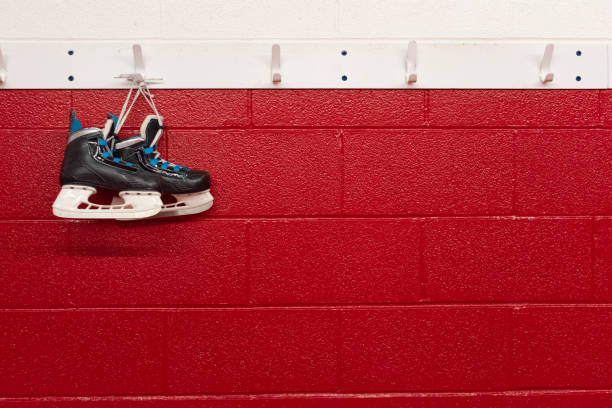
pixel 187 204
pixel 73 202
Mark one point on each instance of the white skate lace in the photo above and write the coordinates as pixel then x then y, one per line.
pixel 143 89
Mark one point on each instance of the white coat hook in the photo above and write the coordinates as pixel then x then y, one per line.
pixel 3 70
pixel 138 76
pixel 276 70
pixel 411 76
pixel 546 74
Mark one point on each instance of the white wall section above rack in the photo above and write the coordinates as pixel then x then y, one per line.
pixel 309 64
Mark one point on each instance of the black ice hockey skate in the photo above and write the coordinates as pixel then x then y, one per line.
pixel 89 163
pixel 190 188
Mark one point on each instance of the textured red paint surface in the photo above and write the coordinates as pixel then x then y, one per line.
pixel 334 261
pixel 564 172
pixel 253 351
pixel 507 259
pixel 367 248
pixel 602 263
pixel 525 108
pixel 122 264
pixel 366 108
pixel 428 172
pixel 81 352
pixel 558 347
pixel 266 172
pixel 425 348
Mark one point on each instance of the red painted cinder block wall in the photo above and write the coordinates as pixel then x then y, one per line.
pixel 367 248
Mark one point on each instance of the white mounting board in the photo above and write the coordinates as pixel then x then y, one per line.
pixel 308 64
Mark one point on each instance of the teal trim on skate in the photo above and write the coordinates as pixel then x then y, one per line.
pixel 102 142
pixel 165 165
pixel 154 162
pixel 177 168
pixel 148 150
pixel 113 117
pixel 106 155
pixel 75 125
pixel 116 160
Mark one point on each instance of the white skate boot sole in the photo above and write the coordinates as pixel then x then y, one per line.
pixel 186 204
pixel 73 202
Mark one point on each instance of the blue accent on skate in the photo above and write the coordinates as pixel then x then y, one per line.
pixel 110 115
pixel 165 165
pixel 128 163
pixel 177 168
pixel 154 162
pixel 75 125
pixel 116 160
pixel 102 142
pixel 106 155
pixel 148 150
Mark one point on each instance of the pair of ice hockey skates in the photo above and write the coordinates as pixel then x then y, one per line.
pixel 94 158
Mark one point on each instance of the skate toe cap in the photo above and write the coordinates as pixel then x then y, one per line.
pixel 199 180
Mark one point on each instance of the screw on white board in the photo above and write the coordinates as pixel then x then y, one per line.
pixel 276 70
pixel 411 59
pixel 3 70
pixel 138 76
pixel 546 74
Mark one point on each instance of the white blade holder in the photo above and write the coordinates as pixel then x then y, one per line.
pixel 546 74
pixel 138 76
pixel 411 60
pixel 3 70
pixel 276 70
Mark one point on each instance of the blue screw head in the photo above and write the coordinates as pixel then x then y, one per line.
pixel 344 77
pixel 578 78
pixel 344 52
pixel 578 53
pixel 71 78
pixel 70 52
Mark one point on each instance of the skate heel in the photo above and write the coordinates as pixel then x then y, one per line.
pixel 192 203
pixel 73 202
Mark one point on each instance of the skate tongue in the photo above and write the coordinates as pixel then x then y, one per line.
pixel 151 129
pixel 109 126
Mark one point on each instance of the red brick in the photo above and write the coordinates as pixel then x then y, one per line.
pixel 473 400
pixel 30 181
pixel 511 399
pixel 230 401
pixel 334 261
pixel 425 348
pixel 117 264
pixel 535 108
pixel 503 259
pixel 565 399
pixel 428 171
pixel 563 347
pixel 34 109
pixel 253 350
pixel 81 352
pixel 327 107
pixel 146 401
pixel 602 256
pixel 265 172
pixel 564 172
pixel 179 107
pixel 606 106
